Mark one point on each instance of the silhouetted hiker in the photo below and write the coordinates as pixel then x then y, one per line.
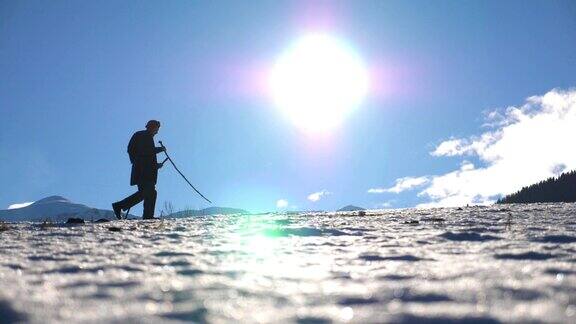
pixel 142 152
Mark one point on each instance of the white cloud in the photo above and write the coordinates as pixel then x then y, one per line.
pixel 525 145
pixel 450 148
pixel 467 166
pixel 281 203
pixel 471 146
pixel 314 197
pixel 402 184
pixel 20 205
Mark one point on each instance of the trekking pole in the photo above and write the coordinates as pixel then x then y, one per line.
pixel 175 167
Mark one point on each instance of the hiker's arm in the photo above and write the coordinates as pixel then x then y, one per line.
pixel 147 147
pixel 141 146
pixel 160 165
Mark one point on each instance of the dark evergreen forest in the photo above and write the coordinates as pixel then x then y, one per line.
pixel 554 189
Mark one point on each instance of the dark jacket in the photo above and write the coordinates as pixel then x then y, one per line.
pixel 142 154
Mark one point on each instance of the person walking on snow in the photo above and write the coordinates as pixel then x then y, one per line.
pixel 142 152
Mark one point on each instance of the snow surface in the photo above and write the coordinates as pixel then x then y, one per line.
pixel 479 264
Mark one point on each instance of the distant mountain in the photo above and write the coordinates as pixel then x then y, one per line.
pixel 59 209
pixel 554 189
pixel 208 211
pixel 350 208
pixel 54 208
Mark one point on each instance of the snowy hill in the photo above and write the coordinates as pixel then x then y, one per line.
pixel 59 209
pixel 54 208
pixel 350 208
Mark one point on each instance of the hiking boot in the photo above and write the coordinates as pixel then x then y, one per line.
pixel 117 210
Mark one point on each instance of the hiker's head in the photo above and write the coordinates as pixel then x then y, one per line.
pixel 153 126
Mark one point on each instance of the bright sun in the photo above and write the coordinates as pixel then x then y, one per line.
pixel 318 81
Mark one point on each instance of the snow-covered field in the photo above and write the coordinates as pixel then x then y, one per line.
pixel 482 264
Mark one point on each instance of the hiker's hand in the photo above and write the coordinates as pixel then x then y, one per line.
pixel 163 149
pixel 160 165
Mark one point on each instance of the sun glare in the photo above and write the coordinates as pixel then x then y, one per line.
pixel 318 81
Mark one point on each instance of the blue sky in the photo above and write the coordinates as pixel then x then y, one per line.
pixel 79 77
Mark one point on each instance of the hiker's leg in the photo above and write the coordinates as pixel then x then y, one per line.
pixel 149 194
pixel 131 200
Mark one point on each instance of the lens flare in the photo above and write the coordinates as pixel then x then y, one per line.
pixel 318 81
